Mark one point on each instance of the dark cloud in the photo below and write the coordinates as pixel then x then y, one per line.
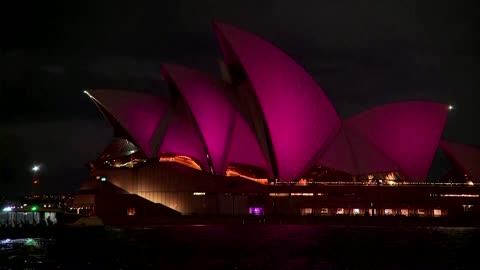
pixel 53 69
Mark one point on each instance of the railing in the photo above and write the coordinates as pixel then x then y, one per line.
pixel 393 184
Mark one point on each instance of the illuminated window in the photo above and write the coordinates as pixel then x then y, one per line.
pixel 51 217
pixel 301 194
pixel 460 195
pixel 198 193
pixel 340 211
pixel 278 194
pixel 388 212
pixel 324 211
pixel 256 211
pixel 130 211
pixel 467 207
pixel 421 212
pixel 437 212
pixel 356 211
pixel 306 211
pixel 404 212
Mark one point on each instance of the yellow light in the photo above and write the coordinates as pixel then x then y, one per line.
pixel 301 194
pixel 391 183
pixel 390 176
pixel 278 194
pixel 184 160
pixel 302 182
pixel 233 173
pixel 460 195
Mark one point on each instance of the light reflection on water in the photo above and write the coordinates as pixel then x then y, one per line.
pixel 28 253
pixel 247 247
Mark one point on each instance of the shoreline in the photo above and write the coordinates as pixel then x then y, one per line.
pixel 53 232
pixel 381 221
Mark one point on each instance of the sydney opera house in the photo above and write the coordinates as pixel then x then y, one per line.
pixel 264 139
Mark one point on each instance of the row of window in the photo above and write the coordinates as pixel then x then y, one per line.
pixel 360 211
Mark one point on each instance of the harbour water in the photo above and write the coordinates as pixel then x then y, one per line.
pixel 246 247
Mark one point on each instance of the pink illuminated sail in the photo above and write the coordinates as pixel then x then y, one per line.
pixel 407 132
pixel 299 116
pixel 465 156
pixel 212 111
pixel 139 114
pixel 183 138
pixel 244 148
pixel 356 155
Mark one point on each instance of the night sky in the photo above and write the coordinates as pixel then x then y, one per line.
pixel 362 53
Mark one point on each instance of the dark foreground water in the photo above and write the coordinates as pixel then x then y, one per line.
pixel 247 247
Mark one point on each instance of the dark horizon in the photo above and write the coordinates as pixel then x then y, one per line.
pixel 362 55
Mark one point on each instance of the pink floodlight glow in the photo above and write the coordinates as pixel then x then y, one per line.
pixel 182 137
pixel 212 111
pixel 369 158
pixel 465 156
pixel 138 113
pixel 407 132
pixel 244 147
pixel 354 154
pixel 300 118
pixel 339 155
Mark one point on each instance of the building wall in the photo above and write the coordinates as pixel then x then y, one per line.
pixel 83 200
pixel 182 189
pixel 189 191
pixel 383 200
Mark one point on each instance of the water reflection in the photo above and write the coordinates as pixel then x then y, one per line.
pixel 29 253
pixel 247 247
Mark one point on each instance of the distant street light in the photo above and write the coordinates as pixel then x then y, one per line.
pixel 450 107
pixel 35 170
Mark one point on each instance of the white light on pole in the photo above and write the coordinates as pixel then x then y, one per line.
pixel 36 168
